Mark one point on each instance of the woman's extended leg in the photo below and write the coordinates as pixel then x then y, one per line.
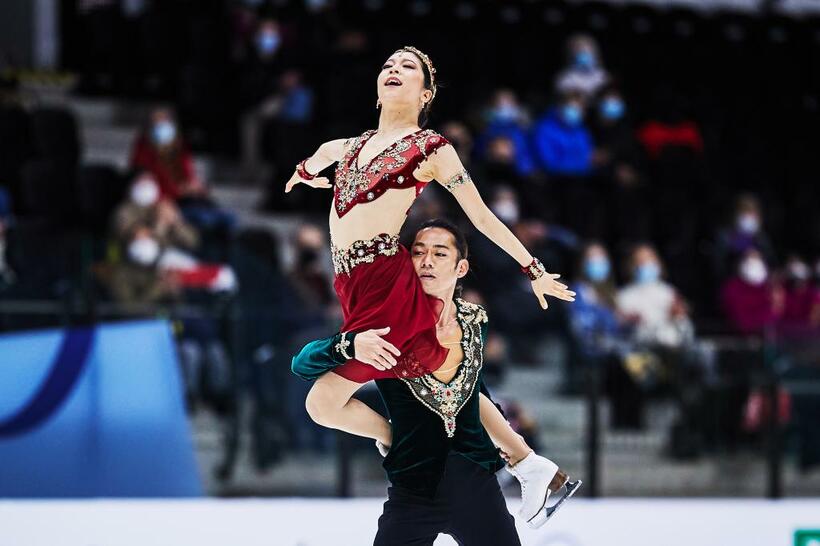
pixel 501 432
pixel 330 403
pixel 539 477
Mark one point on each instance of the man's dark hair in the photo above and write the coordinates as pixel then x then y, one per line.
pixel 458 235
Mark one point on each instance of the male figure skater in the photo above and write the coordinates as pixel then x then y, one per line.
pixel 441 463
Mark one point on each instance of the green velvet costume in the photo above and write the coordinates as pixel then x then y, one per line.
pixel 429 418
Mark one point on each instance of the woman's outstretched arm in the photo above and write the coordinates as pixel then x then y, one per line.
pixel 328 153
pixel 446 168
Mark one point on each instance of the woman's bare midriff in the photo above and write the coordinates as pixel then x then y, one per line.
pixel 364 221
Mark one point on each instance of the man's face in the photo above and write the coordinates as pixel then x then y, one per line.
pixel 436 260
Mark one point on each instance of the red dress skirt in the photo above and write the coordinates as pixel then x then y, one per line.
pixel 377 286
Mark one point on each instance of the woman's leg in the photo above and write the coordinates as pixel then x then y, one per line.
pixel 501 433
pixel 539 477
pixel 330 403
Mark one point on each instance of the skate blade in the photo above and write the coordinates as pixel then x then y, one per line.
pixel 571 488
pixel 547 512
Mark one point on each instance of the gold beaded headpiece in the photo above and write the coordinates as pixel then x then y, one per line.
pixel 426 60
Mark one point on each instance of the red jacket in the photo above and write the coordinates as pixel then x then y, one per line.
pixel 172 174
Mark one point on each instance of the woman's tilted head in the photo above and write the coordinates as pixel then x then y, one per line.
pixel 407 80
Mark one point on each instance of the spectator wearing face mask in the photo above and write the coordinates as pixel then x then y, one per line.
pixel 815 320
pixel 263 62
pixel 505 205
pixel 593 314
pixel 584 73
pixel 617 161
pixel 156 245
pixel 507 118
pixel 802 302
pixel 752 301
pixel 562 141
pixel 744 233
pixel 280 128
pixel 276 126
pixel 564 148
pixel 598 334
pixel 309 273
pixel 657 312
pixel 161 151
pixel 144 226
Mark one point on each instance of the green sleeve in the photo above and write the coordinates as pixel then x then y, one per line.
pixel 320 356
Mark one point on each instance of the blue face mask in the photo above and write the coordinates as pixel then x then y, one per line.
pixel 612 108
pixel 315 5
pixel 506 112
pixel 649 272
pixel 596 269
pixel 267 42
pixel 584 59
pixel 164 132
pixel 571 114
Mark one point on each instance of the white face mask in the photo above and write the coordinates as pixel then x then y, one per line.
pixel 799 271
pixel 144 251
pixel 753 271
pixel 506 210
pixel 145 193
pixel 748 223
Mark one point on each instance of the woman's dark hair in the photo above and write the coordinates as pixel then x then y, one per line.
pixel 458 237
pixel 424 115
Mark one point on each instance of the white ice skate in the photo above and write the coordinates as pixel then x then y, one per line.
pixel 383 449
pixel 541 478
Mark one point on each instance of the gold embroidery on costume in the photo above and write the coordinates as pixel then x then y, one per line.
pixel 457 180
pixel 447 399
pixel 354 179
pixel 363 251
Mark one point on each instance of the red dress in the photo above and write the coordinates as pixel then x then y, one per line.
pixel 375 280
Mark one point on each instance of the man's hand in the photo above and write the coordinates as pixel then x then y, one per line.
pixel 372 349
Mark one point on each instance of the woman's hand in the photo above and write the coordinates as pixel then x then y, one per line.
pixel 547 285
pixel 318 182
pixel 372 349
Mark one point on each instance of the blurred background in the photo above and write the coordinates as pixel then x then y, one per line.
pixel 155 280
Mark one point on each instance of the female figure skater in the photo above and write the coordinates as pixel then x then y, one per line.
pixel 378 176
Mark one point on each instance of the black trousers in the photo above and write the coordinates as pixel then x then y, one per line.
pixel 468 506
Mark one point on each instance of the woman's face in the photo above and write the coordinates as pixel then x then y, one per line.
pixel 401 81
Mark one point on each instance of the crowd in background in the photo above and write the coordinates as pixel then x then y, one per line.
pixel 610 169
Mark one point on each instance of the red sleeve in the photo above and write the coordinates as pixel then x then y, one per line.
pixel 187 159
pixel 140 154
pixel 143 157
pixel 433 142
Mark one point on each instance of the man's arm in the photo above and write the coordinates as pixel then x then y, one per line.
pixel 322 355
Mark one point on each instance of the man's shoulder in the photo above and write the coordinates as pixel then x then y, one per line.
pixel 472 312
